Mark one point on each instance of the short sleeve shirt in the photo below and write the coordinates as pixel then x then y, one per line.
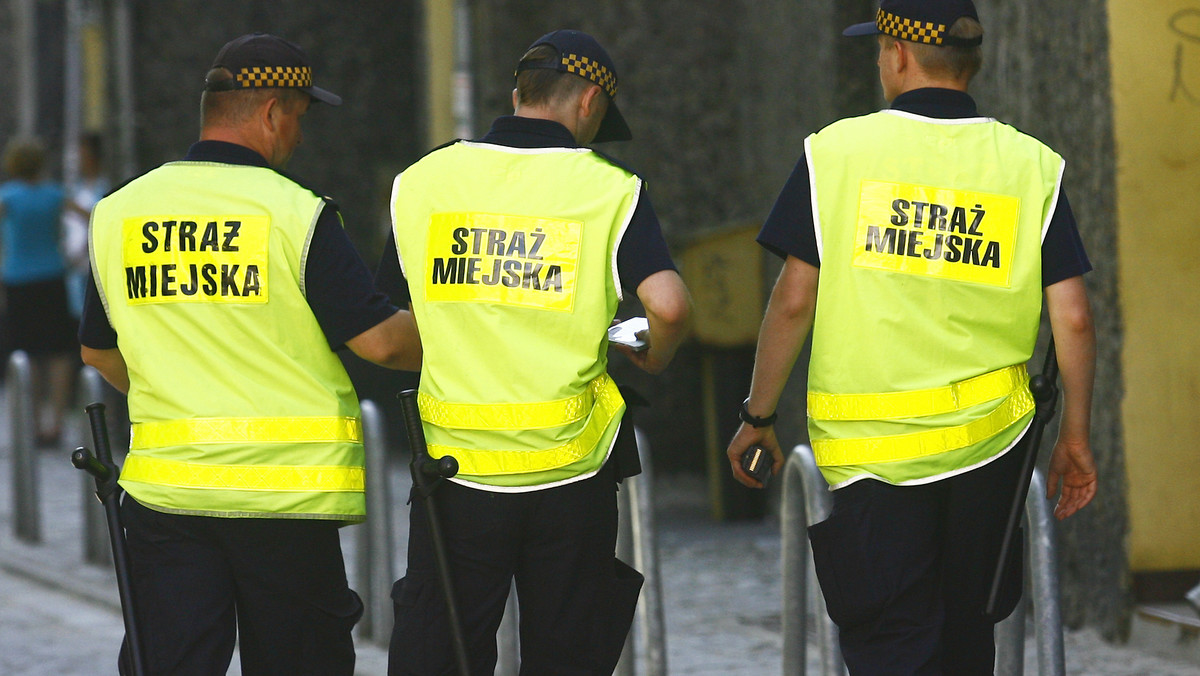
pixel 790 231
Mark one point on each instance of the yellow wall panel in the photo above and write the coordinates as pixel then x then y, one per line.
pixel 1155 52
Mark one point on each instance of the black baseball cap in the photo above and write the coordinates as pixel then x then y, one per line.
pixel 924 21
pixel 579 53
pixel 263 60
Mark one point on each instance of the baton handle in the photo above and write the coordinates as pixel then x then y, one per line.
pixel 95 412
pixel 426 473
pixel 83 459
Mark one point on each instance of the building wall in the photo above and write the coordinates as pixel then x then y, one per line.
pixel 1156 99
pixel 350 152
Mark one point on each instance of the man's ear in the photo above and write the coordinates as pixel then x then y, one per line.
pixel 516 99
pixel 902 55
pixel 269 112
pixel 591 99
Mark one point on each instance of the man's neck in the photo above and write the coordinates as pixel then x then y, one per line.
pixel 548 113
pixel 238 137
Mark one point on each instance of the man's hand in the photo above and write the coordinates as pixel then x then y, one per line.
pixel 746 437
pixel 1071 464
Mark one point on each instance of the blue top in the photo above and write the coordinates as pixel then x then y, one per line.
pixel 789 229
pixel 340 290
pixel 29 232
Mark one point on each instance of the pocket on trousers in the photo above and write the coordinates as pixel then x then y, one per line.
pixel 419 645
pixel 854 590
pixel 1012 581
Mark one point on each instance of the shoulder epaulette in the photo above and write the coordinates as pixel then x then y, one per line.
pixel 127 181
pixel 303 184
pixel 615 162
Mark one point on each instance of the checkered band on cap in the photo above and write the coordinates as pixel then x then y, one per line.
pixel 926 32
pixel 588 68
pixel 275 76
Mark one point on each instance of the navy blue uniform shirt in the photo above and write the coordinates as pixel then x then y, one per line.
pixel 338 283
pixel 789 229
pixel 641 253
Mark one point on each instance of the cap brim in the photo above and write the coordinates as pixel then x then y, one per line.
pixel 613 127
pixel 323 95
pixel 860 29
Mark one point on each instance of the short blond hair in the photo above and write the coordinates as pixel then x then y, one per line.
pixel 952 61
pixel 24 158
pixel 235 106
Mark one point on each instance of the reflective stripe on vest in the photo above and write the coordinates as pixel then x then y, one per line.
pixel 608 405
pixel 162 472
pixel 526 416
pixel 917 403
pixel 866 450
pixel 244 430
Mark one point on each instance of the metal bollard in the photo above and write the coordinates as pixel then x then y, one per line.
pixel 652 632
pixel 508 639
pixel 1043 564
pixel 96 549
pixel 810 506
pixel 1043 574
pixel 374 559
pixel 1010 641
pixel 25 462
pixel 625 551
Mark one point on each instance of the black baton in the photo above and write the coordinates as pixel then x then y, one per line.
pixel 427 474
pixel 105 472
pixel 1044 387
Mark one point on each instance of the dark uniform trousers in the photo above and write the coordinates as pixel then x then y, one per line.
pixel 906 570
pixel 201 581
pixel 576 600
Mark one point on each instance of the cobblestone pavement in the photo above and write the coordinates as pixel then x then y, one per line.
pixel 720 586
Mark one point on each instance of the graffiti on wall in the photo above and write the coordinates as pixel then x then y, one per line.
pixel 1185 25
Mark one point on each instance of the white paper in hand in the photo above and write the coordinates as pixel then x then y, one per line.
pixel 626 333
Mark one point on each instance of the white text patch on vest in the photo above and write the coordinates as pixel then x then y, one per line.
pixel 196 258
pixel 937 232
pixel 510 260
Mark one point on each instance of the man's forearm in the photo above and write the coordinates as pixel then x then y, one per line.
pixel 668 308
pixel 785 327
pixel 1075 344
pixel 110 364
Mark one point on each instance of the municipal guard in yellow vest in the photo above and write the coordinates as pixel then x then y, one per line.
pixel 220 288
pixel 516 249
pixel 918 243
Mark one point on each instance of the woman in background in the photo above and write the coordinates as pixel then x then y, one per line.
pixel 33 271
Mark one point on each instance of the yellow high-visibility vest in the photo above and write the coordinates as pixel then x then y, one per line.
pixel 930 235
pixel 510 256
pixel 239 407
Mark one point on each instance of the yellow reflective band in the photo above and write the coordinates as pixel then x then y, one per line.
pixel 150 470
pixel 496 462
pixel 867 450
pixel 919 403
pixel 532 416
pixel 244 430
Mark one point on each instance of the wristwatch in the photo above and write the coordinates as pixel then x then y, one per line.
pixel 754 421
